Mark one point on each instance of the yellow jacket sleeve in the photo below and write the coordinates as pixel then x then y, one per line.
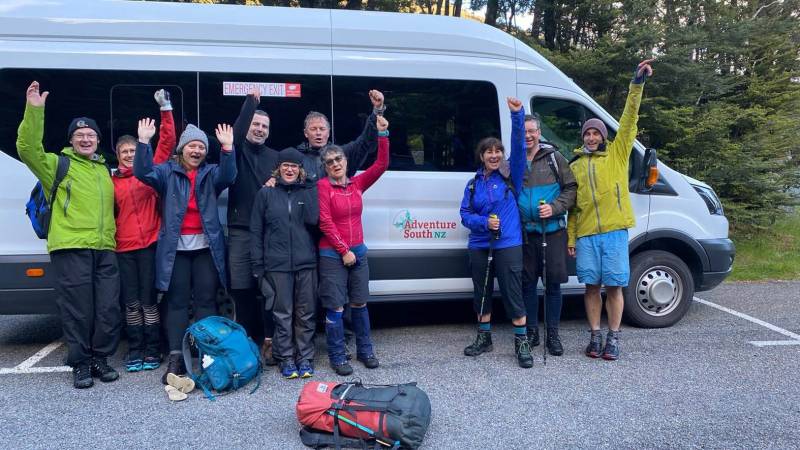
pixel 621 148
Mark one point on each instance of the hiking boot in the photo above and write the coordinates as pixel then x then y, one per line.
pixel 344 369
pixel 593 350
pixel 151 362
pixel 611 349
pixel 553 343
pixel 533 337
pixel 288 370
pixel 102 370
pixel 134 365
pixel 370 362
pixel 523 351
pixel 306 369
pixel 482 344
pixel 175 366
pixel 266 353
pixel 82 376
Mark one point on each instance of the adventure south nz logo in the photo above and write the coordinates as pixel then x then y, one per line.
pixel 413 228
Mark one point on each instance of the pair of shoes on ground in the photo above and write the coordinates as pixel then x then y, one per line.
pixel 83 373
pixel 552 341
pixel 290 370
pixel 483 344
pixel 344 369
pixel 178 387
pixel 137 364
pixel 609 351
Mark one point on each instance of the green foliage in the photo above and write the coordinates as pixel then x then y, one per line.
pixel 771 255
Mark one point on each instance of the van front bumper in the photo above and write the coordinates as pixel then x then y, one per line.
pixel 721 253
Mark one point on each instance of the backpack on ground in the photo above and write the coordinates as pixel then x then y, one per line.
pixel 38 208
pixel 228 359
pixel 382 416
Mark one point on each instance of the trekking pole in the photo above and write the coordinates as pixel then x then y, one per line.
pixel 495 236
pixel 544 282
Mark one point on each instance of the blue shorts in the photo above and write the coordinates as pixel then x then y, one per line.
pixel 603 259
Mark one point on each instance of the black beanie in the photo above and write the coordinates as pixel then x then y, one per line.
pixel 290 155
pixel 82 122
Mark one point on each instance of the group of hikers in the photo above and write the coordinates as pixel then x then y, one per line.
pixel 295 240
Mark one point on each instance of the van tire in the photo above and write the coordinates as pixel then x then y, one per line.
pixel 660 290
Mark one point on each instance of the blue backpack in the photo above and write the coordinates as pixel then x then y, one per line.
pixel 228 358
pixel 38 208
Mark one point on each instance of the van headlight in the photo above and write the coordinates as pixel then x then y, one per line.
pixel 710 197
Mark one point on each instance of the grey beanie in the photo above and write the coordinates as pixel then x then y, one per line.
pixel 191 133
pixel 596 124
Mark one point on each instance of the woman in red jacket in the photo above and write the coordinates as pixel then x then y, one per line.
pixel 343 269
pixel 138 222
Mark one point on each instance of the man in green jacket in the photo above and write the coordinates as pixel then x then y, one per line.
pixel 80 240
pixel 598 224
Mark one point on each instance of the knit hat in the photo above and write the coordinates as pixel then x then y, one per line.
pixel 598 125
pixel 82 122
pixel 191 133
pixel 290 155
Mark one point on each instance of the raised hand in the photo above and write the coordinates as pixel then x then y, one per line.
pixel 382 124
pixel 645 68
pixel 255 92
pixel 376 97
pixel 33 96
pixel 514 104
pixel 162 98
pixel 225 135
pixel 147 129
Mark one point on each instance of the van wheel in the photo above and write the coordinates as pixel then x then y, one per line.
pixel 660 290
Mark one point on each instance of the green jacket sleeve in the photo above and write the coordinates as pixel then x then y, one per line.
pixel 30 148
pixel 621 148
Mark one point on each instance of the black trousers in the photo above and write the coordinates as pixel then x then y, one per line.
pixel 194 282
pixel 87 285
pixel 507 268
pixel 295 297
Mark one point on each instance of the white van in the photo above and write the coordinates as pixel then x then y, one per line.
pixel 445 80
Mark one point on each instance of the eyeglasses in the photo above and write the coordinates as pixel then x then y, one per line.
pixel 335 160
pixel 79 136
pixel 290 166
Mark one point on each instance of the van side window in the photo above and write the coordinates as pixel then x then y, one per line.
pixel 434 124
pixel 562 121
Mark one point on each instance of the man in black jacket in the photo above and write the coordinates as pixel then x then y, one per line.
pixel 255 163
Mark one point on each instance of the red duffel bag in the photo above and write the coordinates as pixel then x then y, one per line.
pixel 394 415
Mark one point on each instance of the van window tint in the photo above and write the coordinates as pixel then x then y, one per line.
pixel 434 124
pixel 75 93
pixel 562 121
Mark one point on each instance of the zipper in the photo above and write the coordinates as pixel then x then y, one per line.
pixel 69 194
pixel 619 201
pixel 291 253
pixel 592 186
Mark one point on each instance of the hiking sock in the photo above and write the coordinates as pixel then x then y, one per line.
pixel 484 327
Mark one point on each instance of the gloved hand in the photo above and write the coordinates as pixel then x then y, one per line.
pixel 162 98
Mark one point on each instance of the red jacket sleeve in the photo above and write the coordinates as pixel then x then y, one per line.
pixel 371 175
pixel 166 138
pixel 326 223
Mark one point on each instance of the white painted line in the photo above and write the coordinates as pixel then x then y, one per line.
pixel 38 356
pixel 770 343
pixel 787 333
pixel 17 370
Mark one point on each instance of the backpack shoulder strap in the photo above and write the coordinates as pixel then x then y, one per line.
pixel 471 187
pixel 551 161
pixel 61 172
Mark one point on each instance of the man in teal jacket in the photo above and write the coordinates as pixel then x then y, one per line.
pixel 80 241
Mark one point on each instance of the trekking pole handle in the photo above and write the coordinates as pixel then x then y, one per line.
pixel 495 233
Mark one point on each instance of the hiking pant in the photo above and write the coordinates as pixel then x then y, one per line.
pixel 556 255
pixel 295 295
pixel 340 285
pixel 194 282
pixel 87 288
pixel 552 298
pixel 142 320
pixel 249 306
pixel 507 268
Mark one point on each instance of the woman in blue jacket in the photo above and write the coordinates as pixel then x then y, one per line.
pixel 190 254
pixel 489 210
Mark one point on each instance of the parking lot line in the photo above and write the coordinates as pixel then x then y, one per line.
pixel 795 337
pixel 27 365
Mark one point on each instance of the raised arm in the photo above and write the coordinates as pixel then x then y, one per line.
pixel 626 134
pixel 517 159
pixel 257 230
pixel 225 173
pixel 242 123
pixel 166 130
pixel 358 150
pixel 143 168
pixel 381 164
pixel 30 135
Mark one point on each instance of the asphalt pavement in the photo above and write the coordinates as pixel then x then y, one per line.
pixel 726 376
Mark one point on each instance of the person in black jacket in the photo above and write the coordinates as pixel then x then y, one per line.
pixel 254 164
pixel 284 254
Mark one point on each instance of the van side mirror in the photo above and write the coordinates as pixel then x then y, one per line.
pixel 649 176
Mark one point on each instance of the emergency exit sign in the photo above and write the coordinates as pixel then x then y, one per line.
pixel 242 88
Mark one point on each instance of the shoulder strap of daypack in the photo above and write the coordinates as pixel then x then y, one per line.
pixel 471 187
pixel 551 161
pixel 61 172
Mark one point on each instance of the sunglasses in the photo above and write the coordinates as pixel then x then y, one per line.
pixel 335 160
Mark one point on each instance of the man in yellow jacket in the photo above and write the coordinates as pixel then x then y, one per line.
pixel 598 225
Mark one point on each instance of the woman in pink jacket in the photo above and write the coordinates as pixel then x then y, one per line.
pixel 343 268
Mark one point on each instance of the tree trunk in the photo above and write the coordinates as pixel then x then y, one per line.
pixel 536 26
pixel 371 5
pixel 446 7
pixel 457 8
pixel 353 4
pixel 438 7
pixel 549 24
pixel 491 12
